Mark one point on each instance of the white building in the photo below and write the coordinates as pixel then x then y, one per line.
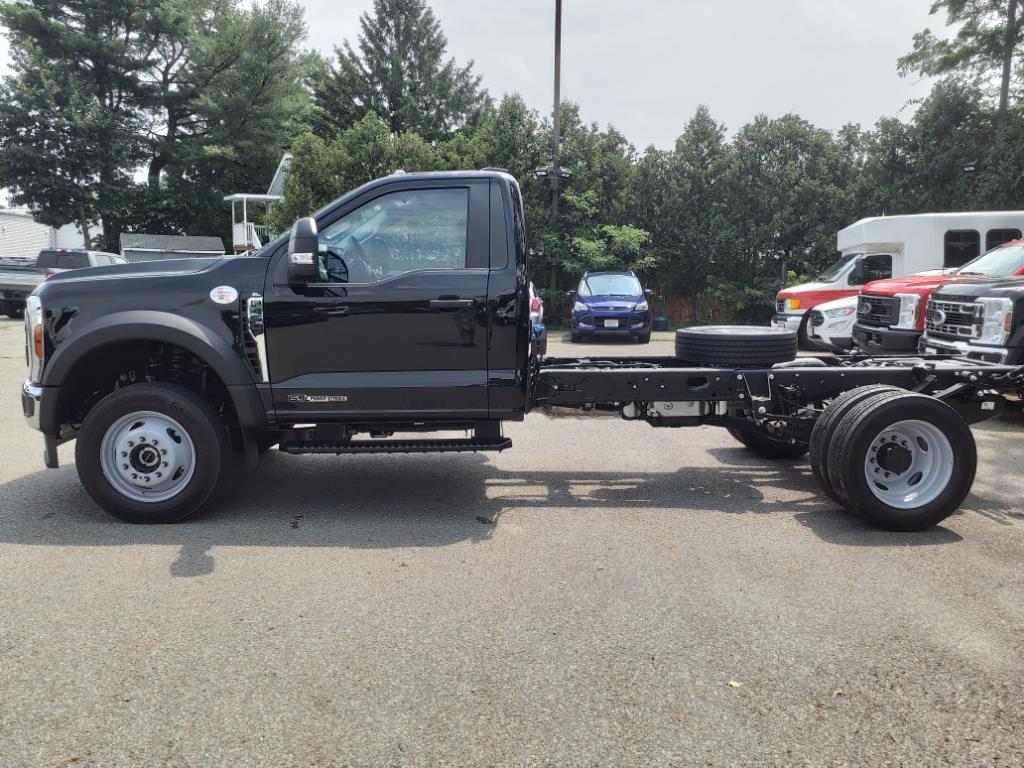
pixel 21 235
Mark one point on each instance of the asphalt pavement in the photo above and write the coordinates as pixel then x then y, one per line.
pixel 602 594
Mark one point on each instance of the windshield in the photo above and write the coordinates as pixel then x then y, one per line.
pixel 831 274
pixel 998 262
pixel 610 285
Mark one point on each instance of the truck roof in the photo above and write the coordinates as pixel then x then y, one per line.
pixel 924 228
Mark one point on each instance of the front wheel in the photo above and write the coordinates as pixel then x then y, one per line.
pixel 151 453
pixel 768 447
pixel 644 338
pixel 12 310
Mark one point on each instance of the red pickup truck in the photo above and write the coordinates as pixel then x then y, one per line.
pixel 891 313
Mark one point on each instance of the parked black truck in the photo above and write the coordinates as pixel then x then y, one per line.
pixel 402 308
pixel 980 320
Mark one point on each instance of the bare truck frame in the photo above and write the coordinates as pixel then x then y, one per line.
pixel 888 437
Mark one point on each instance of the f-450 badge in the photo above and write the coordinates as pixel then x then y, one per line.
pixel 317 398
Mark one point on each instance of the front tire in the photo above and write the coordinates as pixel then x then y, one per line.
pixel 12 310
pixel 151 453
pixel 644 338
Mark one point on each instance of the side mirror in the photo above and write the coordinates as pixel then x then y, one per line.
pixel 571 294
pixel 648 291
pixel 857 273
pixel 303 249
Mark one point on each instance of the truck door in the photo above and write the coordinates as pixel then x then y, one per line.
pixel 395 323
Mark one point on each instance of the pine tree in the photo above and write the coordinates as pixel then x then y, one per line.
pixel 400 72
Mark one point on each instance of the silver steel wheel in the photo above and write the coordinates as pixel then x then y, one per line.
pixel 909 464
pixel 147 456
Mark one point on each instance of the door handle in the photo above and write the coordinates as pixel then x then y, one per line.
pixel 451 303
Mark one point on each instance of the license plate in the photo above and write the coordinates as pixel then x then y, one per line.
pixel 779 323
pixel 931 351
pixel 611 323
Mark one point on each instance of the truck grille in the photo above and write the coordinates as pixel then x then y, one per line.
pixel 780 306
pixel 953 319
pixel 878 310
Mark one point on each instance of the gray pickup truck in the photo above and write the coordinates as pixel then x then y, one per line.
pixel 19 277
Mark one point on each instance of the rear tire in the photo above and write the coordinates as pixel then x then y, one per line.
pixel 162 432
pixel 768 447
pixel 736 346
pixel 903 462
pixel 825 428
pixel 644 338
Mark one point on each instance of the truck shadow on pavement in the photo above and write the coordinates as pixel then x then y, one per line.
pixel 381 502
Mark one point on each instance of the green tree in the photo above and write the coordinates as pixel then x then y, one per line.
pixel 95 50
pixel 401 73
pixel 985 49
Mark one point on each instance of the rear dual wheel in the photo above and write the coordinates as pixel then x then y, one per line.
pixel 902 461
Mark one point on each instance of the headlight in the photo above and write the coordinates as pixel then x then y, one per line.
pixel 579 306
pixel 641 307
pixel 996 320
pixel 792 304
pixel 910 311
pixel 840 312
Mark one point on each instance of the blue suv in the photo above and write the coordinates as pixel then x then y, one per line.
pixel 611 304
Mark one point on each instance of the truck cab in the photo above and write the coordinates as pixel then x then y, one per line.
pixel 891 313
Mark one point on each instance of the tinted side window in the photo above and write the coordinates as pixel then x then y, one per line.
pixel 996 237
pixel 961 245
pixel 397 233
pixel 877 266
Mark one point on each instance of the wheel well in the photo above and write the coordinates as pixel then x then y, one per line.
pixel 122 364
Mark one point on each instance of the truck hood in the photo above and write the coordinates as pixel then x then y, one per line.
pixel 161 268
pixel 1004 287
pixel 611 302
pixel 920 284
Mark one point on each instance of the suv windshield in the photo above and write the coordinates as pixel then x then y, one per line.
pixel 833 272
pixel 610 285
pixel 998 262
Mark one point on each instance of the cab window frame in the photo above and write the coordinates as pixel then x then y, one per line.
pixel 477 227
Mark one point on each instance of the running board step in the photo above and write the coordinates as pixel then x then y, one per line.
pixel 398 446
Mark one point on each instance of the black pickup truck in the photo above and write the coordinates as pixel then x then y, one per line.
pixel 402 309
pixel 980 320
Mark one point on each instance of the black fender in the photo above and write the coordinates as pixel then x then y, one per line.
pixel 152 325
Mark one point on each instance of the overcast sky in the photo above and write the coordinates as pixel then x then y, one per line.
pixel 645 65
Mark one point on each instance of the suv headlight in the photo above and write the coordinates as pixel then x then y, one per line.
pixel 840 312
pixel 641 306
pixel 579 306
pixel 34 346
pixel 996 320
pixel 910 311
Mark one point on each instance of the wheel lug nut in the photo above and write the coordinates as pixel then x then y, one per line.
pixel 134 476
pixel 124 466
pixel 159 474
pixel 165 464
pixel 163 451
pixel 146 478
pixel 131 444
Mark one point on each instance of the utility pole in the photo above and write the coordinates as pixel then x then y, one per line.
pixel 556 138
